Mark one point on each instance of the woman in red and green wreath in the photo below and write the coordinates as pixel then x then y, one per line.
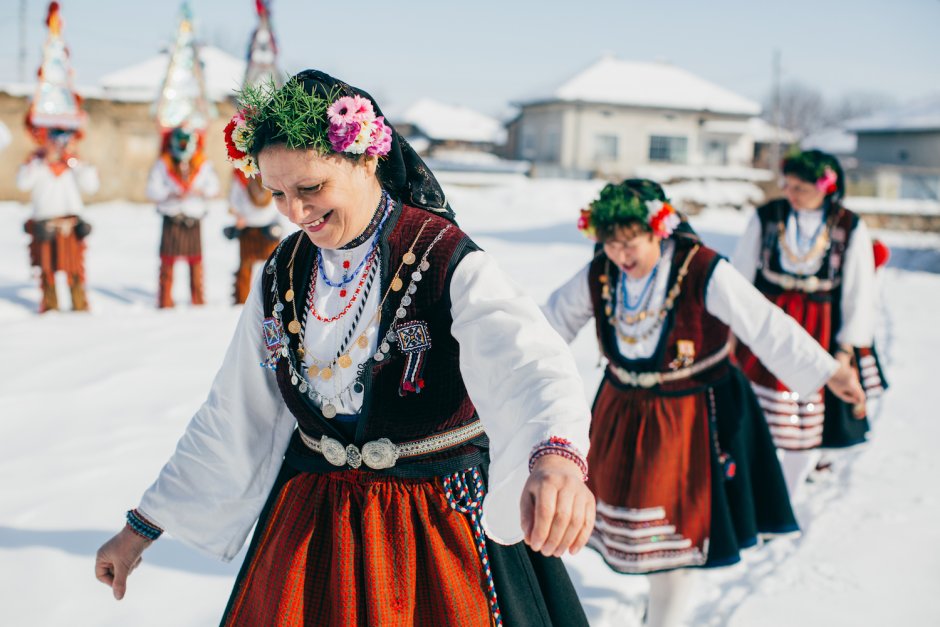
pixel 813 258
pixel 682 464
pixel 410 449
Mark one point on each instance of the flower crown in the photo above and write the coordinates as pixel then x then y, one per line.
pixel 609 210
pixel 302 120
pixel 825 177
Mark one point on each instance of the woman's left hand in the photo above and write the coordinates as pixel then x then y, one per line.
pixel 557 508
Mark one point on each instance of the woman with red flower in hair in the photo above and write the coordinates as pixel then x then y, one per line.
pixel 682 464
pixel 813 258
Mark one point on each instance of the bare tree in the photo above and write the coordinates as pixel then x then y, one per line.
pixel 802 108
pixel 857 104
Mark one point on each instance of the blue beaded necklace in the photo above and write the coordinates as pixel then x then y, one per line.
pixel 625 296
pixel 349 278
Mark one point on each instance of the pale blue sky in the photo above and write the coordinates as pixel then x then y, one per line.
pixel 487 53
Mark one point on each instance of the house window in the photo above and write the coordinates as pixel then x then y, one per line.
pixel 551 147
pixel 669 149
pixel 529 145
pixel 716 152
pixel 605 148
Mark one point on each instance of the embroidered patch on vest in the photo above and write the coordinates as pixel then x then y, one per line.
pixel 685 354
pixel 414 338
pixel 274 341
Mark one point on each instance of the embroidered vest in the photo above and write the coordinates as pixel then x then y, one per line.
pixel 841 226
pixel 688 331
pixel 442 403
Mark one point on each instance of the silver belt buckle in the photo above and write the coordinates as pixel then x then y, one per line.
pixel 377 455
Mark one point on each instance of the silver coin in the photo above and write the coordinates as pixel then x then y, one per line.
pixel 390 336
pixel 406 301
pixel 412 288
pixel 303 387
pixel 416 276
pixel 385 347
pixel 424 266
pixel 269 269
pixel 329 411
pixel 401 313
pixel 379 357
pixel 278 307
pixel 293 379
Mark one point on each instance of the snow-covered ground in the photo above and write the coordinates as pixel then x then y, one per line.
pixel 92 404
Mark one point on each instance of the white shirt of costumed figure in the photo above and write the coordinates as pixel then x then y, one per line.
pixel 244 208
pixel 859 290
pixel 521 378
pixel 172 200
pixel 56 196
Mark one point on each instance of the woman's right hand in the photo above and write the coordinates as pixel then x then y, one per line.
pixel 117 558
pixel 844 384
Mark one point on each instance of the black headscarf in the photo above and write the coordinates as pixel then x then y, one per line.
pixel 401 172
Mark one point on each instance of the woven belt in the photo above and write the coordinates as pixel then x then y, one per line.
pixel 383 453
pixel 808 285
pixel 652 379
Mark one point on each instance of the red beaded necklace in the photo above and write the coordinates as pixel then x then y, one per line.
pixel 352 300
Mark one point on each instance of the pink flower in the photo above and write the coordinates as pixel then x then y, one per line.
pixel 827 182
pixel 381 141
pixel 350 109
pixel 343 134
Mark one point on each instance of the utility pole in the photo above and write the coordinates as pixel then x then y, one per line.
pixel 22 55
pixel 775 148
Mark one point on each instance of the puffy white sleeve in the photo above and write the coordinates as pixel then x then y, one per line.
pixel 747 252
pixel 211 491
pixel 209 185
pixel 858 290
pixel 788 351
pixel 28 174
pixel 87 178
pixel 159 187
pixel 521 378
pixel 569 307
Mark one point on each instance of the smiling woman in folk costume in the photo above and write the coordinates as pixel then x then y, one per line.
pixel 414 418
pixel 55 176
pixel 257 224
pixel 682 464
pixel 814 258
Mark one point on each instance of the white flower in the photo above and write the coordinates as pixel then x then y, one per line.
pixel 363 139
pixel 653 207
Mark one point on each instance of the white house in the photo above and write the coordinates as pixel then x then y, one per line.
pixel 616 116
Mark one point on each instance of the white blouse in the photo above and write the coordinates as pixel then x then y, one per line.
pixel 858 270
pixel 787 350
pixel 56 196
pixel 173 200
pixel 520 376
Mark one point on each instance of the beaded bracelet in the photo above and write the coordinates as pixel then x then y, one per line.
pixel 562 447
pixel 141 526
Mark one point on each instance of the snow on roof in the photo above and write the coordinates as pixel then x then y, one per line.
pixel 142 81
pixel 442 122
pixel 919 116
pixel 836 141
pixel 644 84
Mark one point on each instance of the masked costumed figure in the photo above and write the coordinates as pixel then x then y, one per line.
pixel 257 221
pixel 55 176
pixel 182 179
